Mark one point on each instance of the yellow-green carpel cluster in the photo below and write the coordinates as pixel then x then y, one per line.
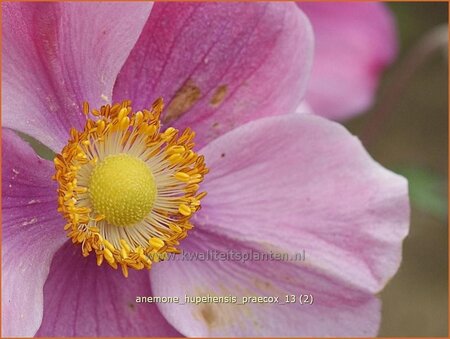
pixel 123 189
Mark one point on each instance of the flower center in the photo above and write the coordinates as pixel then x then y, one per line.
pixel 127 189
pixel 122 188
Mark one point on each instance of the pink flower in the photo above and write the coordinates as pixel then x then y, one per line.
pixel 354 43
pixel 278 182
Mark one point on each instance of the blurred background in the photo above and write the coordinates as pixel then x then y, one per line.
pixel 407 131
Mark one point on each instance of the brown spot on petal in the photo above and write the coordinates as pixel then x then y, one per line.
pixel 208 314
pixel 218 96
pixel 266 286
pixel 184 99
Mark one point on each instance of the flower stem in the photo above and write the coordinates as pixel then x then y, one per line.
pixel 434 40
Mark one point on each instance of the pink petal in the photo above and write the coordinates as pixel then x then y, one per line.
pixel 355 42
pixel 218 65
pixel 304 108
pixel 300 181
pixel 84 300
pixel 32 232
pixel 337 310
pixel 57 55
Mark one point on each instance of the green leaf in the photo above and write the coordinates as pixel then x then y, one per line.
pixel 427 190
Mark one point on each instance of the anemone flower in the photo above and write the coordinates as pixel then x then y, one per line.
pixel 84 79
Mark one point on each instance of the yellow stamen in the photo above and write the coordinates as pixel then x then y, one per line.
pixel 156 243
pixel 182 176
pixel 126 189
pixel 185 210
